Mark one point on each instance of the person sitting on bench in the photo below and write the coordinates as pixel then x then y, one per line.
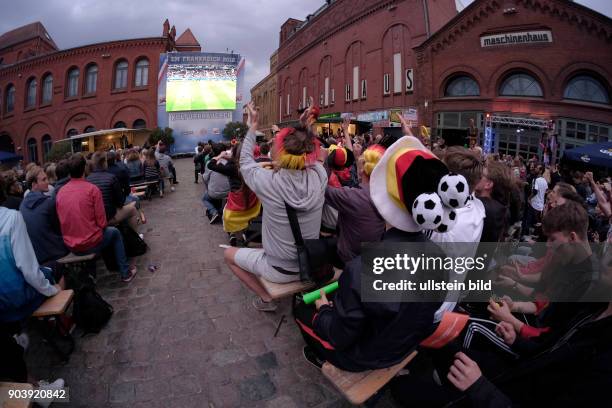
pixel 299 181
pixel 80 209
pixel 354 335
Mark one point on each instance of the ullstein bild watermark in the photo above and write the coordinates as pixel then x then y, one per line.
pixel 523 37
pixel 477 272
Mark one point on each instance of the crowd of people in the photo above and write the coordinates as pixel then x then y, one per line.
pixel 83 204
pixel 521 349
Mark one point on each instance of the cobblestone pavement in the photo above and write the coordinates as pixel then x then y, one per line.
pixel 186 335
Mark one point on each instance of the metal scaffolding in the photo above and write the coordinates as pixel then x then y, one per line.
pixel 514 120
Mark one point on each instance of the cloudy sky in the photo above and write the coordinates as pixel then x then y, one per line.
pixel 249 27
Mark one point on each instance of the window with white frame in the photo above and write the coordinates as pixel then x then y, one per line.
pixel 397 72
pixel 347 93
pixel 304 97
pixel 326 98
pixel 355 83
pixel 142 73
pixel 386 84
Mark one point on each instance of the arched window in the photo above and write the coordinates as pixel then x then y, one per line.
pixel 139 124
pixel 91 79
pixel 586 88
pixel 520 84
pixel 6 143
pixel 10 98
pixel 119 124
pixel 32 150
pixel 121 72
pixel 31 93
pixel 72 88
pixel 462 85
pixel 72 132
pixel 142 73
pixel 89 129
pixel 47 89
pixel 47 143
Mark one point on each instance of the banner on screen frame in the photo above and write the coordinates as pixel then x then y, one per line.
pixel 189 128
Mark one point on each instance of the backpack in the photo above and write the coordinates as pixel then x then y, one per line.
pixel 133 244
pixel 90 311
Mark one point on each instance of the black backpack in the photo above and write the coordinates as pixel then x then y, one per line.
pixel 133 244
pixel 90 311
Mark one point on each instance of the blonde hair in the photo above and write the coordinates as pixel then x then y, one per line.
pixel 371 157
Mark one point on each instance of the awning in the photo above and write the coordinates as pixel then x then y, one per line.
pixel 597 154
pixel 9 156
pixel 106 132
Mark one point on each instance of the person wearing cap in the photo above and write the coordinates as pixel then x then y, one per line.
pixel 354 335
pixel 299 181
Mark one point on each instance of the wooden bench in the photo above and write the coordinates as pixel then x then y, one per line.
pixel 53 308
pixel 6 402
pixel 359 387
pixel 283 290
pixel 55 305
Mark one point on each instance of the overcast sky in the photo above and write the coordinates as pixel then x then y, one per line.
pixel 249 27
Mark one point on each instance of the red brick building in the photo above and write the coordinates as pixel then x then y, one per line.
pixel 534 66
pixel 355 55
pixel 47 94
pixel 528 64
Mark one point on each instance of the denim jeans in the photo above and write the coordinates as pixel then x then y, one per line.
pixel 209 203
pixel 112 237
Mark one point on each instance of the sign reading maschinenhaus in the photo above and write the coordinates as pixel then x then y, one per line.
pixel 522 37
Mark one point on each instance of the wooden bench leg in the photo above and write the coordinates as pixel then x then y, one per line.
pixel 46 328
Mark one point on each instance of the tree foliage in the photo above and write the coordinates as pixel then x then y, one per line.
pixel 235 130
pixel 165 135
pixel 58 151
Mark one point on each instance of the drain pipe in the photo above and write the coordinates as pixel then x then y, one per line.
pixel 426 15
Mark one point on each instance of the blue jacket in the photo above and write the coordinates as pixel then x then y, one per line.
pixel 40 216
pixel 23 286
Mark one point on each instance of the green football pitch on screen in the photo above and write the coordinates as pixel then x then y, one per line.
pixel 200 95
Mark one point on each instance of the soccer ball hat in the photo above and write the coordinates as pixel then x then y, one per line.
pixel 404 187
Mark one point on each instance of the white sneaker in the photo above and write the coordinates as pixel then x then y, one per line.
pixel 23 340
pixel 54 386
pixel 171 188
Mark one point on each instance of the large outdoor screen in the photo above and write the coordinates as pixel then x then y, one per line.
pixel 207 86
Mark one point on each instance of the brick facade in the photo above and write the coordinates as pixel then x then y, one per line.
pixel 103 109
pixel 346 39
pixel 265 96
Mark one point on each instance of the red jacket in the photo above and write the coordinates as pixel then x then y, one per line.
pixel 80 209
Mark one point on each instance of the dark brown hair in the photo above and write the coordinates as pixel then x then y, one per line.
pixel 300 141
pixel 462 161
pixel 569 217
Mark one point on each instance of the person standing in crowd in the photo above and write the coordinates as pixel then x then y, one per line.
pixel 535 202
pixel 299 182
pixel 82 217
pixel 494 190
pixel 264 153
pixel 198 162
pixel 40 216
